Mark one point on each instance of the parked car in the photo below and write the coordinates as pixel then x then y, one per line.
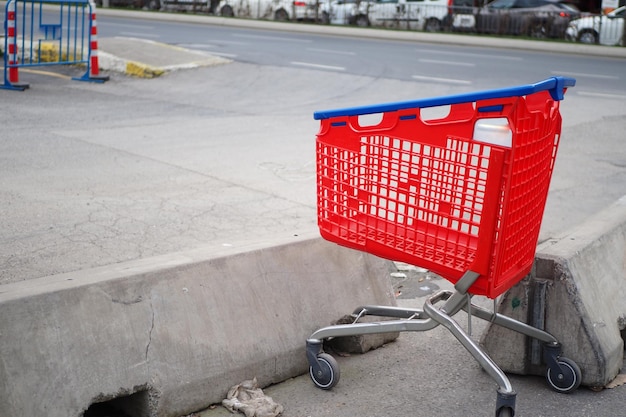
pixel 461 15
pixel 138 4
pixel 427 15
pixel 182 5
pixel 606 30
pixel 344 12
pixel 269 9
pixel 537 18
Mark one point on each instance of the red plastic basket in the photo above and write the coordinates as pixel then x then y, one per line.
pixel 440 194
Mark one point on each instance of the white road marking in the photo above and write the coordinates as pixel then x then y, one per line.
pixel 582 74
pixel 141 35
pixel 469 54
pixel 451 63
pixel 224 54
pixel 210 45
pixel 272 38
pixel 601 95
pixel 197 45
pixel 441 80
pixel 206 47
pixel 127 25
pixel 329 51
pixel 310 65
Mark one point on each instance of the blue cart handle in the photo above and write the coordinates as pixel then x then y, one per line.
pixel 554 85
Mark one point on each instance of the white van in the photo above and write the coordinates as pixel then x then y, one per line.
pixel 269 9
pixel 426 15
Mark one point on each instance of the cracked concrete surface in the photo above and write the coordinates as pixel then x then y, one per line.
pixel 150 331
pixel 108 186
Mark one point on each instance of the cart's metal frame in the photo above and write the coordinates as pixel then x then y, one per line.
pixel 439 309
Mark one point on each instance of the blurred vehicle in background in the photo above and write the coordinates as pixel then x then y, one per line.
pixel 426 15
pixel 528 18
pixel 607 29
pixel 344 12
pixel 461 15
pixel 535 18
pixel 139 4
pixel 281 10
pixel 183 5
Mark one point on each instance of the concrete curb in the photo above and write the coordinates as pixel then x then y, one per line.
pixel 132 66
pixel 110 62
pixel 137 68
pixel 577 293
pixel 170 335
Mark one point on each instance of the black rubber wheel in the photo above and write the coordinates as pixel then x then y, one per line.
pixel 589 37
pixel 433 25
pixel 281 15
pixel 568 380
pixel 362 21
pixel 325 18
pixel 539 32
pixel 227 11
pixel 505 412
pixel 328 375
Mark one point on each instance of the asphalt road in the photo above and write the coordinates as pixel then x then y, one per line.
pixel 406 55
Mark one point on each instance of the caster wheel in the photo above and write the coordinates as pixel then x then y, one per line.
pixel 505 412
pixel 566 381
pixel 328 374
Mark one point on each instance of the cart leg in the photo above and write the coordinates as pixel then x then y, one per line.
pixel 506 394
pixel 386 311
pixel 323 368
pixel 387 326
pixel 313 348
pixel 563 374
pixel 512 324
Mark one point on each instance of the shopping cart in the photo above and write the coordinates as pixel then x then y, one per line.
pixel 462 196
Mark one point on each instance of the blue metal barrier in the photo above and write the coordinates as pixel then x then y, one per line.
pixel 50 32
